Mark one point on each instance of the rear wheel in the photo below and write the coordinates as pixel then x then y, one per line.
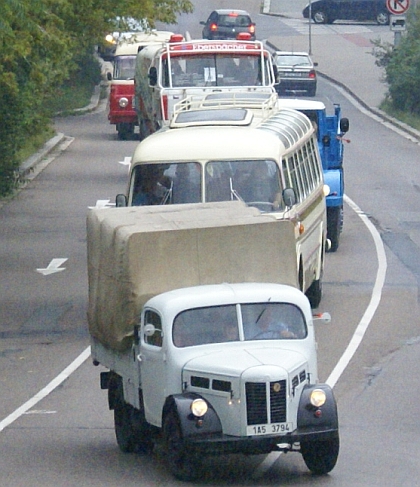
pixel 123 428
pixel 320 17
pixel 131 429
pixel 125 130
pixel 180 463
pixel 382 18
pixel 314 293
pixel 334 226
pixel 320 456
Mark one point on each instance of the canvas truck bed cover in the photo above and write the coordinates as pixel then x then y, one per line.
pixel 135 253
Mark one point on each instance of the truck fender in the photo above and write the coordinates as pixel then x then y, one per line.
pixel 311 417
pixel 190 424
pixel 333 178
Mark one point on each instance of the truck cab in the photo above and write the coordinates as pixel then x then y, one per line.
pixel 330 135
pixel 218 369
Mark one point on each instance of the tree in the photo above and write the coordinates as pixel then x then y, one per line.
pixel 402 66
pixel 40 44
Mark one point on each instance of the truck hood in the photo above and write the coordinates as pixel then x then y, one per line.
pixel 236 363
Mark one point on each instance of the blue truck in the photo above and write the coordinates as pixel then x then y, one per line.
pixel 331 131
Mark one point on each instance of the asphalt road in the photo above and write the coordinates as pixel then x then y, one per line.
pixel 67 437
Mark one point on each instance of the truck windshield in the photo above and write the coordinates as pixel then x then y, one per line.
pixel 219 324
pixel 215 70
pixel 256 182
pixel 124 67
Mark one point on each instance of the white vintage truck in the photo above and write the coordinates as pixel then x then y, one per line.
pixel 209 346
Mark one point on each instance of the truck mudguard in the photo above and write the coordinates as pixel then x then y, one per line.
pixel 308 419
pixel 190 427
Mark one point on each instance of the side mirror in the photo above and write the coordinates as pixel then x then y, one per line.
pixel 121 200
pixel 276 74
pixel 153 76
pixel 109 76
pixel 344 125
pixel 289 197
pixel 324 317
pixel 202 22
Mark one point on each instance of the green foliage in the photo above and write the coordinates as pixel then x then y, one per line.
pixel 45 43
pixel 402 66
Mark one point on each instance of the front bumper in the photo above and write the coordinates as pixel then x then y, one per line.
pixel 219 443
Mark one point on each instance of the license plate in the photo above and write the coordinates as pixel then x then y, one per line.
pixel 293 75
pixel 269 429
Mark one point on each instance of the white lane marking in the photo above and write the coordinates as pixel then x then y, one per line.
pixel 102 204
pixel 46 390
pixel 126 161
pixel 374 300
pixel 361 327
pixel 53 267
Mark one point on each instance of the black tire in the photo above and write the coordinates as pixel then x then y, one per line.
pixel 320 17
pixel 334 226
pixel 125 131
pixel 314 293
pixel 124 430
pixel 320 456
pixel 382 18
pixel 180 463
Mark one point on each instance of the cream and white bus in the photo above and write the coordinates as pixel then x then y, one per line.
pixel 229 153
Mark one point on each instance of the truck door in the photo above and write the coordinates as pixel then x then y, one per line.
pixel 152 366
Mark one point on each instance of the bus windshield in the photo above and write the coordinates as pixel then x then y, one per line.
pixel 256 182
pixel 214 70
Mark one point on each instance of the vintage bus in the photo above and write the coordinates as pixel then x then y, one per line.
pixel 229 153
pixel 169 73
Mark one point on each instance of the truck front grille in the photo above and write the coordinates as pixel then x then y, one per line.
pixel 263 408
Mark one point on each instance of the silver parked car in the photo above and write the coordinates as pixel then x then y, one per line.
pixel 296 73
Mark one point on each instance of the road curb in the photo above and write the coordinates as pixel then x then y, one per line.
pixel 375 111
pixel 27 166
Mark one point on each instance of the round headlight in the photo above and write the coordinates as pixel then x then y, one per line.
pixel 199 407
pixel 318 398
pixel 123 102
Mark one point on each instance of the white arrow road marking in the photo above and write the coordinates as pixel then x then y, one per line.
pixel 126 161
pixel 53 267
pixel 102 204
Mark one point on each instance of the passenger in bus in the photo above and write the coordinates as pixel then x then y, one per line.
pixel 152 188
pixel 186 184
pixel 261 186
pixel 247 74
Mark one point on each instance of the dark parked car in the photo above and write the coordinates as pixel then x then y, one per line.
pixel 296 73
pixel 327 11
pixel 227 24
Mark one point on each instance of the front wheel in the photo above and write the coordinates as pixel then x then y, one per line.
pixel 180 463
pixel 320 456
pixel 382 18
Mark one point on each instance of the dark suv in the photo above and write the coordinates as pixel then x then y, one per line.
pixel 327 11
pixel 227 24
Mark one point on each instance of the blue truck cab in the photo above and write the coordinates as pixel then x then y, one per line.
pixel 331 129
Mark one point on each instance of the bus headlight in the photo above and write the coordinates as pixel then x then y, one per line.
pixel 199 407
pixel 123 102
pixel 318 398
